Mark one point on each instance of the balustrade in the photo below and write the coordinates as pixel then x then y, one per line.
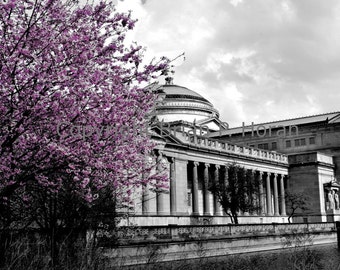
pixel 228 230
pixel 243 150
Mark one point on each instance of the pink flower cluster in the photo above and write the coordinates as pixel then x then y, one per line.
pixel 63 63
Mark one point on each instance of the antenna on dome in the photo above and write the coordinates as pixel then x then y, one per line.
pixel 169 80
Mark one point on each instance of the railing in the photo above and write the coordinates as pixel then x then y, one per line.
pixel 191 137
pixel 190 232
pixel 205 142
pixel 310 157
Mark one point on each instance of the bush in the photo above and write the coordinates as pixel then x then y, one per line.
pixel 32 251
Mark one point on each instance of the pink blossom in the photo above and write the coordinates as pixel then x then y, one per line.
pixel 72 66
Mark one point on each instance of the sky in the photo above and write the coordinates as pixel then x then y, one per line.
pixel 254 60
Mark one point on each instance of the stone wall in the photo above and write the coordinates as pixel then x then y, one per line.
pixel 309 173
pixel 166 243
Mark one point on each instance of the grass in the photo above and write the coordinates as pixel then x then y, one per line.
pixel 298 253
pixel 309 258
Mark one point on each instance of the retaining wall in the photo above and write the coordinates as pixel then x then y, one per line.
pixel 141 245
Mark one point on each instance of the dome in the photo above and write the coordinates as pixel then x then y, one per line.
pixel 181 103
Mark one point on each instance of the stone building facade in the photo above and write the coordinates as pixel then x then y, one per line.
pixel 194 160
pixel 312 145
pixel 300 155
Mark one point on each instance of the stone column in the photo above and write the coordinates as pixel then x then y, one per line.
pixel 254 198
pixel 149 206
pixel 282 196
pixel 160 196
pixel 206 191
pixel 226 177
pixel 173 204
pixel 269 195
pixel 146 200
pixel 261 193
pixel 226 182
pixel 181 179
pixel 276 196
pixel 195 190
pixel 138 201
pixel 217 211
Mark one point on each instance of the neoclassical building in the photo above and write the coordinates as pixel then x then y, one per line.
pixel 312 144
pixel 301 154
pixel 185 120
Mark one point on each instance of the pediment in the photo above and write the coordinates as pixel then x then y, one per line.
pixel 335 119
pixel 213 123
pixel 167 135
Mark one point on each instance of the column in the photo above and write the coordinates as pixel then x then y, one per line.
pixel 146 200
pixel 261 193
pixel 252 199
pixel 226 177
pixel 282 196
pixel 149 206
pixel 276 196
pixel 269 195
pixel 173 205
pixel 160 196
pixel 138 201
pixel 181 187
pixel 254 195
pixel 217 210
pixel 226 182
pixel 195 190
pixel 206 191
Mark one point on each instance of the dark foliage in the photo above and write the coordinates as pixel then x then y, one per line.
pixel 238 193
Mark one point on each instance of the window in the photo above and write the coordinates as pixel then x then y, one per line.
pixel 274 145
pixel 300 142
pixel 288 144
pixel 263 146
pixel 251 145
pixel 312 140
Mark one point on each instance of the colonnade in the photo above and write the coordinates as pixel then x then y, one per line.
pixel 271 190
pixel 161 202
pixel 195 177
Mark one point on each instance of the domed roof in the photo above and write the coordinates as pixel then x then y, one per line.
pixel 176 91
pixel 181 103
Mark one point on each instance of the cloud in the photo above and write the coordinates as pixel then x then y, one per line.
pixel 256 60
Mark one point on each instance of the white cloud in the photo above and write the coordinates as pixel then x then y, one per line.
pixel 255 60
pixel 235 2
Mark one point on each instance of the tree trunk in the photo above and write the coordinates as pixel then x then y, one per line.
pixel 290 216
pixel 52 232
pixel 231 218
pixel 234 214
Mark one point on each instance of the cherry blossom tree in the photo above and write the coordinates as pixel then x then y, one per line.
pixel 73 101
pixel 73 104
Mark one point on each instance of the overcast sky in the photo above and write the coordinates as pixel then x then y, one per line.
pixel 255 60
